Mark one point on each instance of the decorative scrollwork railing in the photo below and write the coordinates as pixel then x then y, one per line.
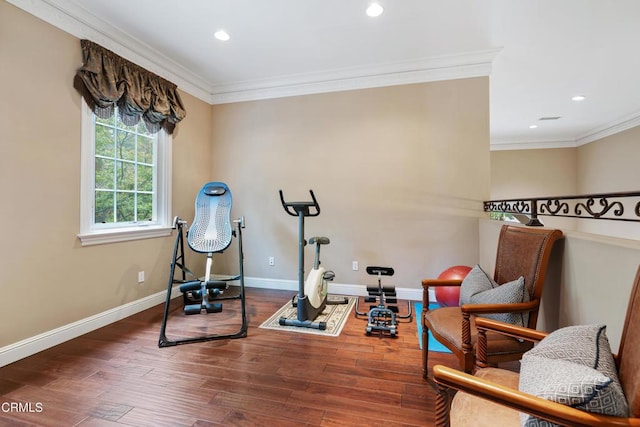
pixel 623 206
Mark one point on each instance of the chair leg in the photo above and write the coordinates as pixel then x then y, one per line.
pixel 469 362
pixel 443 404
pixel 467 349
pixel 481 345
pixel 425 349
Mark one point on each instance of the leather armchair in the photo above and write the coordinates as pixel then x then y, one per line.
pixel 491 397
pixel 522 251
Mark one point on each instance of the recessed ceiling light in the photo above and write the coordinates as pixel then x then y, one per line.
pixel 221 35
pixel 578 98
pixel 375 10
pixel 533 126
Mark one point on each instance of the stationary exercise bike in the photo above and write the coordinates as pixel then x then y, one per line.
pixel 312 294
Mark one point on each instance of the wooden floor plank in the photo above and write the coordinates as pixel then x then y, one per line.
pixel 117 375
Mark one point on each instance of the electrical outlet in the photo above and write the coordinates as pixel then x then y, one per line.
pixel 354 265
pixel 140 276
pixel 272 261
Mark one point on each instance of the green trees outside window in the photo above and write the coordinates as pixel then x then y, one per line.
pixel 124 172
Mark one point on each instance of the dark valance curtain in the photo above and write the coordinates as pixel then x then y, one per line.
pixel 106 80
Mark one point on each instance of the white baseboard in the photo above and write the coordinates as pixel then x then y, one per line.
pixel 27 347
pixel 45 340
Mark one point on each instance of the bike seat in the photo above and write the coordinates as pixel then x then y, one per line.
pixel 319 240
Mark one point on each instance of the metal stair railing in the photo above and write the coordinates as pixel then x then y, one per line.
pixel 622 206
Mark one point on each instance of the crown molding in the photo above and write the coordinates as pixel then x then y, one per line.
pixel 612 128
pixel 531 145
pixel 449 67
pixel 71 17
pixel 609 129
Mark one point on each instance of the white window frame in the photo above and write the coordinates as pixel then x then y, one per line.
pixel 91 234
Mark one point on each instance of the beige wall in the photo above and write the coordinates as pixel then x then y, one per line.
pixel 600 257
pixel 610 165
pixel 46 278
pixel 589 280
pixel 413 206
pixel 535 173
pixel 399 172
pixel 603 166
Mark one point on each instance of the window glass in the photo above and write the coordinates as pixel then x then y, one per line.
pixel 125 180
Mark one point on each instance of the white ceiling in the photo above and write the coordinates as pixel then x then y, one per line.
pixel 538 53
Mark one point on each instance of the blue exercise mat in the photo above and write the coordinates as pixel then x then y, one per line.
pixel 434 345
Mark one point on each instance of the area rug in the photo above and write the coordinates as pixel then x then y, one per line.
pixel 335 316
pixel 434 345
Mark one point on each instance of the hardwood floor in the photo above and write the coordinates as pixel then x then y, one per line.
pixel 117 375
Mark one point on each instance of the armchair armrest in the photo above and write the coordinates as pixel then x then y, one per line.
pixel 489 325
pixel 520 307
pixel 448 378
pixel 427 283
pixel 484 325
pixel 475 309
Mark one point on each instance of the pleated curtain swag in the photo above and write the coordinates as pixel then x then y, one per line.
pixel 107 80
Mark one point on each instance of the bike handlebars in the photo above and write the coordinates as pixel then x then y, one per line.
pixel 297 208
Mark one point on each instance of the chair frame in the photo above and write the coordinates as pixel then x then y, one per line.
pixel 466 354
pixel 450 380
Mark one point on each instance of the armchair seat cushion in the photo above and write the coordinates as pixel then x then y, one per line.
pixel 468 410
pixel 448 322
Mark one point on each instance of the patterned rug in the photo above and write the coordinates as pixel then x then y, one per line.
pixel 335 317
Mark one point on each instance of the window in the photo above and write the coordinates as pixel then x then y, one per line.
pixel 505 216
pixel 125 184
